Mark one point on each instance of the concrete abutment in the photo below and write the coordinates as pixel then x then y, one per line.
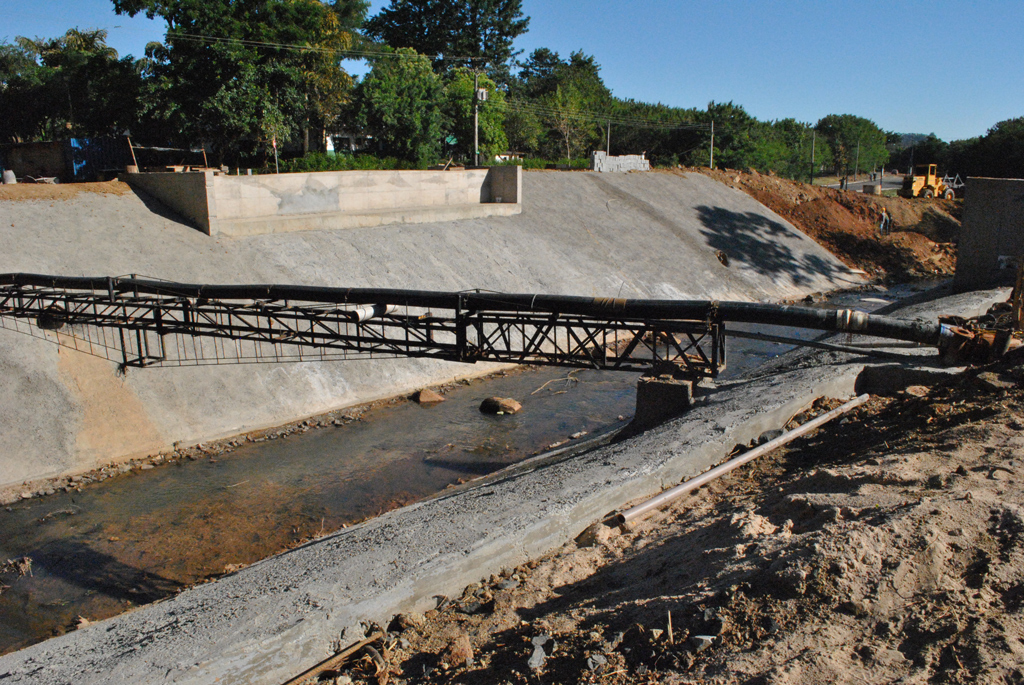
pixel 221 204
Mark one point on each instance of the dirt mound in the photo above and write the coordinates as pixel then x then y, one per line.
pixel 887 546
pixel 60 191
pixel 922 243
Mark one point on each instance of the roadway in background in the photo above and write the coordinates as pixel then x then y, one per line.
pixel 889 182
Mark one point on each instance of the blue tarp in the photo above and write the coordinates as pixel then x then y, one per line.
pixel 89 159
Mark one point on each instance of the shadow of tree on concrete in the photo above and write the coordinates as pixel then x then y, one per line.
pixel 761 243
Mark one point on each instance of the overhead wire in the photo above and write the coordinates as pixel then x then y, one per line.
pixel 344 53
pixel 541 109
pixel 603 118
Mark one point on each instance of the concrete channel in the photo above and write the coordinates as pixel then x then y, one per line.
pixel 647 236
pixel 278 617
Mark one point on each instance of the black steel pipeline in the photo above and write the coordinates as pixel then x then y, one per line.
pixel 831 320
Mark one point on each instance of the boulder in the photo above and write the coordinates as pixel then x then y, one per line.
pixel 428 396
pixel 500 405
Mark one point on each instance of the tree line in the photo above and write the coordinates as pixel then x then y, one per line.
pixel 238 76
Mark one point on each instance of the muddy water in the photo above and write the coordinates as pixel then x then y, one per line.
pixel 136 538
pixel 142 536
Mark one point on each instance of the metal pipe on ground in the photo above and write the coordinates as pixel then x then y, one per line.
pixel 722 469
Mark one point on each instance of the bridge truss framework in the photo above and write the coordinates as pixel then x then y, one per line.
pixel 148 323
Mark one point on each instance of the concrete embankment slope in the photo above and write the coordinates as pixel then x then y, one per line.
pixel 630 235
pixel 282 615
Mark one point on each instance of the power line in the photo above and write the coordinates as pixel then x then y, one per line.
pixel 199 38
pixel 520 105
pixel 604 118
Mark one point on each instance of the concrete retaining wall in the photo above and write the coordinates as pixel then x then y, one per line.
pixel 188 194
pixel 603 162
pixel 992 238
pixel 651 235
pixel 220 204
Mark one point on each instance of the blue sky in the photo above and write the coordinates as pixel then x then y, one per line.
pixel 943 67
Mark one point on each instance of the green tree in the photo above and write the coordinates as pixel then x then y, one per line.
pixel 1000 153
pixel 538 75
pixel 275 63
pixel 22 109
pixel 567 95
pixel 523 129
pixel 907 150
pixel 856 142
pixel 545 71
pixel 663 132
pixel 961 158
pixel 457 108
pixel 398 101
pixel 443 29
pixel 734 135
pixel 568 121
pixel 72 85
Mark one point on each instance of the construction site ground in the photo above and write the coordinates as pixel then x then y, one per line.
pixel 921 244
pixel 884 547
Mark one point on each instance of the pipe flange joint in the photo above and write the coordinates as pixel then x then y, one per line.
pixel 851 320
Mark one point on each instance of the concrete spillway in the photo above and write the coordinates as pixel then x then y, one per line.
pixel 635 235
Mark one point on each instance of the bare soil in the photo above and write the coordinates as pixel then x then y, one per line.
pixel 60 191
pixel 887 546
pixel 924 234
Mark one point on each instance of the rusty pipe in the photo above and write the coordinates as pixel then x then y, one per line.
pixel 722 469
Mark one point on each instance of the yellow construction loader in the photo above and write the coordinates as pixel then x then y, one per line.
pixel 925 182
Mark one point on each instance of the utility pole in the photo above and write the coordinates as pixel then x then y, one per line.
pixel 608 145
pixel 476 119
pixel 711 165
pixel 814 135
pixel 856 164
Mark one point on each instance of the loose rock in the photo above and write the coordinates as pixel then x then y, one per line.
pixel 458 652
pixel 500 405
pixel 410 620
pixel 536 660
pixel 428 396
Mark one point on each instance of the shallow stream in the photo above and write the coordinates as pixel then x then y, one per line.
pixel 139 537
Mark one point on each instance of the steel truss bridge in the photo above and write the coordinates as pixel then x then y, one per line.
pixel 144 323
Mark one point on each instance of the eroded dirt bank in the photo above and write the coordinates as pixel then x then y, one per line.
pixel 885 547
pixel 924 234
